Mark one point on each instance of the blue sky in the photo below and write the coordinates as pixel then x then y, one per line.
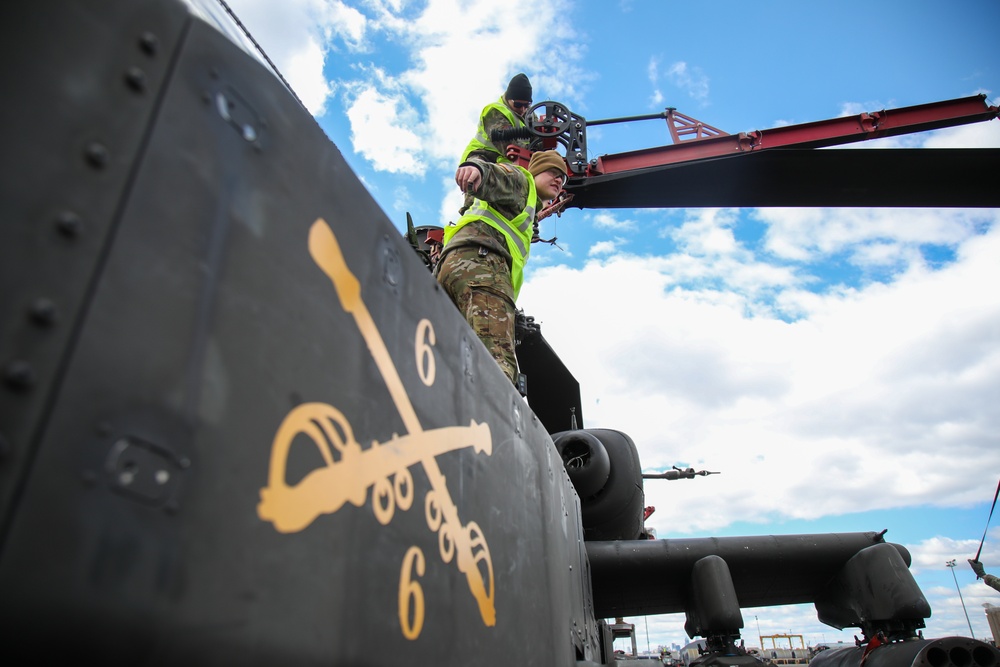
pixel 840 367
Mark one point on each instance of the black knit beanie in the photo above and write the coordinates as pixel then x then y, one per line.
pixel 519 88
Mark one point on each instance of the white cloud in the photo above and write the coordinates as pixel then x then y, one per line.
pixel 605 220
pixel 932 553
pixel 901 374
pixel 430 99
pixel 298 39
pixel 977 135
pixel 603 248
pixel 395 147
pixel 344 22
pixel 444 36
pixel 690 79
pixel 708 232
pixel 306 76
pixel 803 234
pixel 652 71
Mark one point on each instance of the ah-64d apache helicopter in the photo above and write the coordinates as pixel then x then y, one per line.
pixel 241 424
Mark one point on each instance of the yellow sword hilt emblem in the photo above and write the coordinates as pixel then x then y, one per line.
pixel 384 467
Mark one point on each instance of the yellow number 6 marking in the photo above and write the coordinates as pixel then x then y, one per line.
pixel 410 590
pixel 424 347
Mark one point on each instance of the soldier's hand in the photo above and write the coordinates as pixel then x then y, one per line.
pixel 468 178
pixel 977 567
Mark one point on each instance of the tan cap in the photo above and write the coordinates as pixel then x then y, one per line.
pixel 545 160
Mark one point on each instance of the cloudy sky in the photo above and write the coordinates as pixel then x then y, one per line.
pixel 839 367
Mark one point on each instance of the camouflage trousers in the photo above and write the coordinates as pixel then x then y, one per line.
pixel 478 281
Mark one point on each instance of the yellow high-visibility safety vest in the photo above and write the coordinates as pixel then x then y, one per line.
pixel 518 231
pixel 481 141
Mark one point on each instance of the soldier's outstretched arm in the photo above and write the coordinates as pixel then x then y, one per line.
pixel 501 184
pixel 468 178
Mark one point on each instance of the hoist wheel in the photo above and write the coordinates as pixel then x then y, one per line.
pixel 548 119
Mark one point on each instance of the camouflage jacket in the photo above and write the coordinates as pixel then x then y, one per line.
pixel 504 186
pixel 506 189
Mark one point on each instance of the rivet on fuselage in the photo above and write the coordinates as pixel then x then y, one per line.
pixel 149 43
pixel 135 78
pixel 43 312
pixel 69 224
pixel 97 155
pixel 19 375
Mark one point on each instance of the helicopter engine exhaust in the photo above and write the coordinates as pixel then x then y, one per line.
pixel 604 467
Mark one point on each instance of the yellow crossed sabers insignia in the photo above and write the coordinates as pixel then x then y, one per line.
pixel 346 480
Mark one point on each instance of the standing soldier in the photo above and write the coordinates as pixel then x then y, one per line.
pixel 507 113
pixel 482 264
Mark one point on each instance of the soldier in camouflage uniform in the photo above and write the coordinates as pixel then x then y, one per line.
pixel 988 579
pixel 482 264
pixel 505 114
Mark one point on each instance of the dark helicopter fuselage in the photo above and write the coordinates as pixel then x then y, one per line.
pixel 241 423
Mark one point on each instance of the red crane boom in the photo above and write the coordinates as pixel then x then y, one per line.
pixel 832 132
pixel 705 167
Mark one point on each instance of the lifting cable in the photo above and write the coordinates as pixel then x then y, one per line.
pixel 260 50
pixel 978 551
